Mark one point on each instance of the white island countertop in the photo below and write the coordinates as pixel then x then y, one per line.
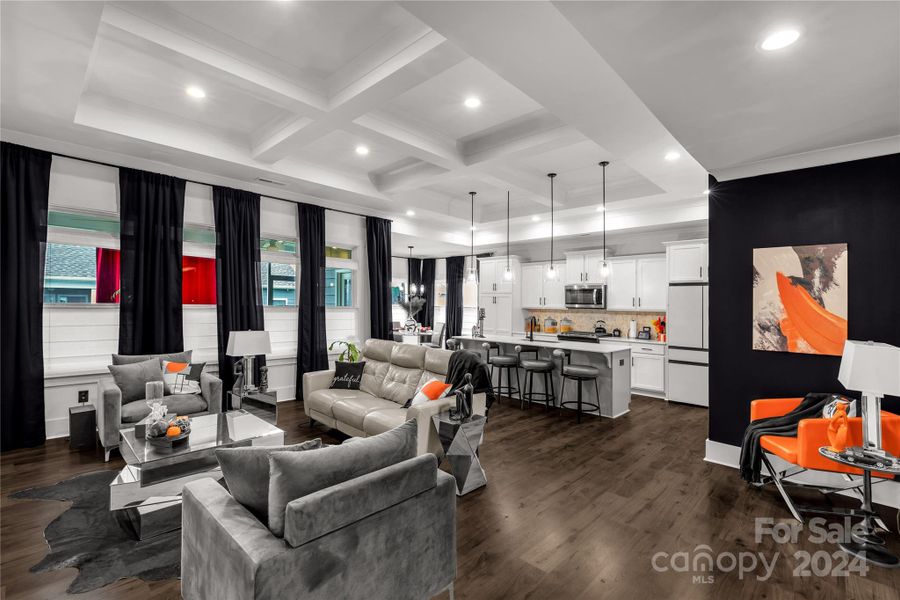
pixel 595 347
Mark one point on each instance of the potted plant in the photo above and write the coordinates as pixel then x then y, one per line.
pixel 350 353
pixel 660 325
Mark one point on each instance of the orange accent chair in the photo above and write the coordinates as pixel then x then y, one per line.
pixel 802 451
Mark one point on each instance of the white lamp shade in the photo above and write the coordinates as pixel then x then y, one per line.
pixel 871 367
pixel 248 343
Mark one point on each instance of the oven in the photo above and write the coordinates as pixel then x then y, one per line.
pixel 585 296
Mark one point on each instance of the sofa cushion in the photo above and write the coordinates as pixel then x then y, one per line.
pixel 384 419
pixel 127 359
pixel 400 384
pixel 408 356
pixel 293 475
pixel 322 401
pixel 132 378
pixel 378 349
pixel 437 361
pixel 373 376
pixel 353 411
pixel 246 472
pixel 180 404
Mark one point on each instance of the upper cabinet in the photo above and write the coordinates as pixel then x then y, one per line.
pixel 490 275
pixel 498 296
pixel 540 292
pixel 687 261
pixel 637 284
pixel 584 267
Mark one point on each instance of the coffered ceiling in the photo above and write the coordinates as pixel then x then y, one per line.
pixel 295 92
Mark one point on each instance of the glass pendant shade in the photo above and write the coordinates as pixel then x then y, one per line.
pixel 473 274
pixel 508 274
pixel 604 270
pixel 552 272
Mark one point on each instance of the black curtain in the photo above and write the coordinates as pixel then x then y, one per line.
pixel 456 274
pixel 426 317
pixel 151 215
pixel 312 353
pixel 238 285
pixel 378 252
pixel 25 176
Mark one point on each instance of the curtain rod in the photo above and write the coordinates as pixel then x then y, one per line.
pixel 106 164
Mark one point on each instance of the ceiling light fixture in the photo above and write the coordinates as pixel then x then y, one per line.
pixel 472 102
pixel 552 273
pixel 601 208
pixel 362 150
pixel 535 218
pixel 195 91
pixel 780 39
pixel 473 268
pixel 706 192
pixel 507 274
pixel 410 213
pixel 670 156
pixel 604 267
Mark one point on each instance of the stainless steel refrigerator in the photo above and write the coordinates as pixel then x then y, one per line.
pixel 687 327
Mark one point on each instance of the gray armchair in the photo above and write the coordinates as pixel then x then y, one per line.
pixel 387 534
pixel 113 415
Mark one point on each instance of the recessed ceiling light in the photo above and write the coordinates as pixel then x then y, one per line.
pixel 362 150
pixel 472 102
pixel 410 213
pixel 195 91
pixel 672 155
pixel 706 192
pixel 780 39
pixel 600 209
pixel 472 228
pixel 535 218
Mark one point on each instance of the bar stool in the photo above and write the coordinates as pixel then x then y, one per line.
pixel 579 373
pixel 532 366
pixel 505 362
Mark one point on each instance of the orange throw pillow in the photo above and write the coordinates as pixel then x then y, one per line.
pixel 433 390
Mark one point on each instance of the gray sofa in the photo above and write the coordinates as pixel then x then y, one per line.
pixel 392 375
pixel 390 533
pixel 113 414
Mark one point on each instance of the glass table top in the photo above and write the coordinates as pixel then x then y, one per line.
pixel 207 432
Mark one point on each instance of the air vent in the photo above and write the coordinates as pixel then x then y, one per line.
pixel 271 181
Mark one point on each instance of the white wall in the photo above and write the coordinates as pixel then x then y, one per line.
pixel 78 340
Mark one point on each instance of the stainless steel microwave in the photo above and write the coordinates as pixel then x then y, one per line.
pixel 586 296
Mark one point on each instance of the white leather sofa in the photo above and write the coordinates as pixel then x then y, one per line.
pixel 392 375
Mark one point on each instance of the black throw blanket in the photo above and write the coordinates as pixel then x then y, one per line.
pixel 784 426
pixel 469 361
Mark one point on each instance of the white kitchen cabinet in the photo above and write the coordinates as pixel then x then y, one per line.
pixel 540 292
pixel 685 317
pixel 491 275
pixel 593 265
pixel 584 267
pixel 621 287
pixel 652 284
pixel 575 270
pixel 687 261
pixel 648 371
pixel 497 313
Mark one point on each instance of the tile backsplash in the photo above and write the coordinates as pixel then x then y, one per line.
pixel 585 319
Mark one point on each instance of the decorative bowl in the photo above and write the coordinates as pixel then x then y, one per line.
pixel 167 443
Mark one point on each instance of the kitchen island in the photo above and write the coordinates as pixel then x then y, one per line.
pixel 612 358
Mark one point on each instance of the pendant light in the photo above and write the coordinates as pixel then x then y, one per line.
pixel 413 291
pixel 473 268
pixel 552 273
pixel 507 274
pixel 604 268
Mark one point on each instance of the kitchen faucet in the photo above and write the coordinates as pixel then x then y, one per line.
pixel 532 325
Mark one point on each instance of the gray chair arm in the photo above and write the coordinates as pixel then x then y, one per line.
pixel 109 412
pixel 211 390
pixel 316 380
pixel 427 440
pixel 222 544
pixel 328 510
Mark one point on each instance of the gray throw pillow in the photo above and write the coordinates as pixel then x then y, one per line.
pixel 133 378
pixel 127 359
pixel 293 475
pixel 246 472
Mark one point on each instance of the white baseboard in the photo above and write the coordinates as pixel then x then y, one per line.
pixel 57 428
pixel 886 493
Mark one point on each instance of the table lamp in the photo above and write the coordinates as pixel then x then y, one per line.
pixel 248 345
pixel 872 368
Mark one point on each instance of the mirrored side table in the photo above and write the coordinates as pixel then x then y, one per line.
pixel 262 404
pixel 460 441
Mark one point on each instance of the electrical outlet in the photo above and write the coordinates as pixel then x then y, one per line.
pixel 82 396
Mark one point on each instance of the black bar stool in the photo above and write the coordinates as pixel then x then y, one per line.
pixel 579 373
pixel 532 366
pixel 505 362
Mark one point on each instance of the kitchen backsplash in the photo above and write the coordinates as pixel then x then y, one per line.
pixel 585 319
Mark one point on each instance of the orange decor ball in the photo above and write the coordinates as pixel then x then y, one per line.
pixel 173 431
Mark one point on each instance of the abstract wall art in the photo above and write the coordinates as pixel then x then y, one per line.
pixel 800 299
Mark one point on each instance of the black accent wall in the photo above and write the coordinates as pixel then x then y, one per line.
pixel 856 202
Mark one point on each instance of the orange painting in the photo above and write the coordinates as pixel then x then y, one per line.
pixel 800 299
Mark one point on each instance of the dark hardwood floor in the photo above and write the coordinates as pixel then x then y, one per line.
pixel 570 511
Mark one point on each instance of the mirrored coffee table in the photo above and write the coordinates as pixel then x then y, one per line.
pixel 148 489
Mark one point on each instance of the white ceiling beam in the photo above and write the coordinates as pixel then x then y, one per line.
pixel 407 139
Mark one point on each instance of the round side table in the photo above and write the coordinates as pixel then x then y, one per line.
pixel 868 545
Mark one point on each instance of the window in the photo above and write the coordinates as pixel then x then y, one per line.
pixel 279 283
pixel 337 252
pixel 273 245
pixel 71 273
pixel 198 280
pixel 338 287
